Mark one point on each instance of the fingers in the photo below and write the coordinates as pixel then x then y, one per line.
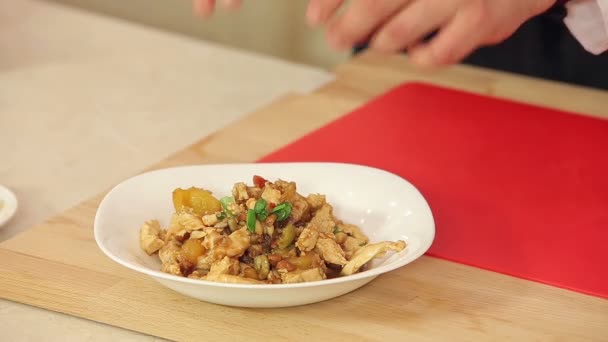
pixel 231 4
pixel 359 21
pixel 457 39
pixel 319 11
pixel 411 25
pixel 205 8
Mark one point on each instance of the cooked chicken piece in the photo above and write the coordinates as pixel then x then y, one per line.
pixel 299 276
pixel 210 220
pixel 330 251
pixel 171 269
pixel 271 195
pixel 288 190
pixel 213 238
pixel 174 227
pixel 150 237
pixel 248 271
pixel 300 209
pixel 323 219
pixel 316 201
pixel 352 245
pixel 239 191
pixel 307 240
pixel 340 237
pixel 169 253
pixel 197 274
pixel 327 236
pixel 236 209
pixel 182 235
pixel 254 192
pixel 367 253
pixel 169 256
pixel 224 266
pixel 250 203
pixel 353 231
pixel 205 261
pixel 190 222
pixel 221 224
pixel 219 246
pixel 237 243
pixel 198 234
pixel 233 279
pixel 316 261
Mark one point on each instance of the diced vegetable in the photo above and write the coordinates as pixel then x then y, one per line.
pixel 282 211
pixel 251 220
pixel 260 206
pixel 200 201
pixel 221 216
pixel 303 262
pixel 287 237
pixel 262 266
pixel 258 181
pixel 260 209
pixel 263 215
pixel 192 249
pixel 225 201
pixel 284 252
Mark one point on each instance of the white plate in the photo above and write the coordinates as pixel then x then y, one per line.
pixel 384 205
pixel 8 205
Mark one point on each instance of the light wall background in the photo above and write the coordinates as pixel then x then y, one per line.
pixel 272 27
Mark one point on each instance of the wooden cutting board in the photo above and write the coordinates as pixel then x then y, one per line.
pixel 58 266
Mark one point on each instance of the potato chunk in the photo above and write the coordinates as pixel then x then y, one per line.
pixel 200 201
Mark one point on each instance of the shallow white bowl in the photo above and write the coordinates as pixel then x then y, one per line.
pixel 385 206
pixel 8 205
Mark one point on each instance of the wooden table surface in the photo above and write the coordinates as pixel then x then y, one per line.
pixel 57 265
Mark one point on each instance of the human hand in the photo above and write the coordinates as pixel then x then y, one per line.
pixel 205 8
pixel 397 25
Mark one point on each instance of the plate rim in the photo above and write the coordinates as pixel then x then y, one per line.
pixel 11 204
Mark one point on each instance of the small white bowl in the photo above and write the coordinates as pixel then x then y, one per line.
pixel 385 206
pixel 8 205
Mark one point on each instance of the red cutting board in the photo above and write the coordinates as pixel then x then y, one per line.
pixel 514 188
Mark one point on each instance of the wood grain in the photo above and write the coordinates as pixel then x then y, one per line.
pixel 57 265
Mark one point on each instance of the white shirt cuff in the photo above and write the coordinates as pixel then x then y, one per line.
pixel 587 20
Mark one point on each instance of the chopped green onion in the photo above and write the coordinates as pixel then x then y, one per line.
pixel 225 201
pixel 263 215
pixel 251 220
pixel 260 206
pixel 221 215
pixel 282 211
